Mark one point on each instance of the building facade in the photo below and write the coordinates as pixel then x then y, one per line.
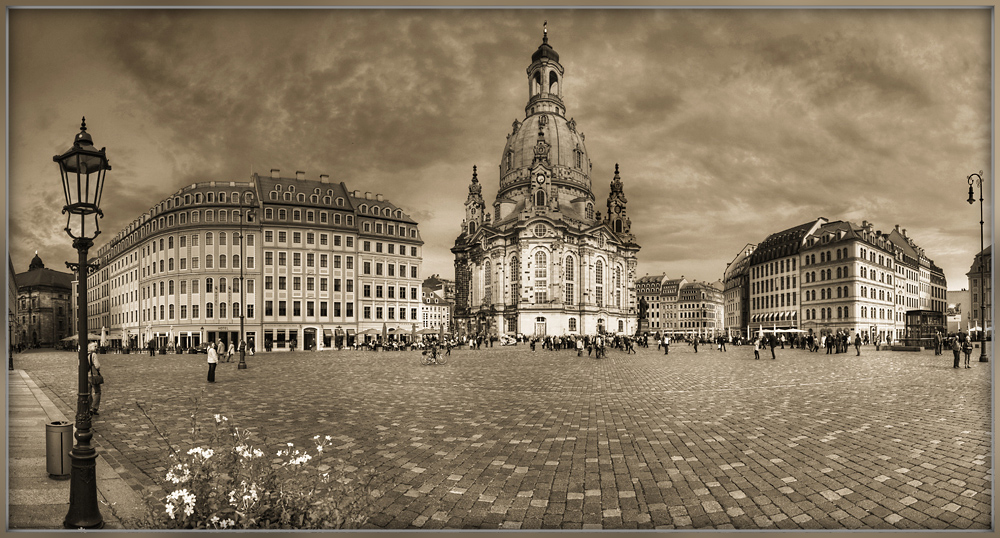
pixel 735 294
pixel 980 278
pixel 823 277
pixel 305 264
pixel 774 278
pixel 700 309
pixel 545 261
pixel 44 297
pixel 13 320
pixel 435 311
pixel 848 281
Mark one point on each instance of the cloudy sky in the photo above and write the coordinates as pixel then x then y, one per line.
pixel 727 124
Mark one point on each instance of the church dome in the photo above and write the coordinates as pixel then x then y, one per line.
pixel 566 149
pixel 36 263
pixel 545 51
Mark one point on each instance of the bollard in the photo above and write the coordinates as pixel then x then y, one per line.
pixel 58 443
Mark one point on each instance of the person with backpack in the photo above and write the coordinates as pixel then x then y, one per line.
pixel 95 378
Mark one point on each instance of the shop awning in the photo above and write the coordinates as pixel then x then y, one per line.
pixel 350 331
pixel 327 332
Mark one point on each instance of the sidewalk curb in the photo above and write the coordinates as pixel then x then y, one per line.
pixel 116 497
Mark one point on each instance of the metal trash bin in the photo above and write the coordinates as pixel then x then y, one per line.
pixel 58 443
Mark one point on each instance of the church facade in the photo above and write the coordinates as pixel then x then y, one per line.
pixel 544 260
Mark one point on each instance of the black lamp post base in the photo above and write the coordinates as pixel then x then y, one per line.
pixel 84 512
pixel 243 361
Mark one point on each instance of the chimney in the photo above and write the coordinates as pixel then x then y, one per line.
pixel 368 196
pixel 324 178
pixel 300 175
pixel 864 224
pixel 379 198
pixel 897 228
pixel 275 173
pixel 904 232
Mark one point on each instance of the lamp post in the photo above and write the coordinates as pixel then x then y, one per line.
pixel 243 353
pixel 982 270
pixel 83 170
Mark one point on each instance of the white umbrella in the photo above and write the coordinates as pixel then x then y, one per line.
pixel 104 336
pixel 170 337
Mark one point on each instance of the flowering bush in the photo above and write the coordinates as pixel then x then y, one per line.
pixel 232 484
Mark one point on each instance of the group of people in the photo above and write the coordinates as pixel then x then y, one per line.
pixel 958 344
pixel 217 352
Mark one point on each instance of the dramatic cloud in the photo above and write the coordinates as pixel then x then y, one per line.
pixel 727 124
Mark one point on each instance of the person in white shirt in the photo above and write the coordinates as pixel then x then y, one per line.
pixel 213 361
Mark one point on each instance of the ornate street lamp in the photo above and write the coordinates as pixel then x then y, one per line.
pixel 83 170
pixel 982 269
pixel 243 348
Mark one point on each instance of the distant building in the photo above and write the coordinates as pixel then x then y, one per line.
pixel 443 287
pixel 981 274
pixel 824 277
pixel 435 311
pixel 736 293
pixel 957 315
pixel 700 309
pixel 13 320
pixel 544 261
pixel 774 278
pixel 314 263
pixel 43 304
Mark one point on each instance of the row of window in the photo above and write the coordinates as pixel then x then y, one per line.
pixel 210 263
pixel 166 312
pixel 843 311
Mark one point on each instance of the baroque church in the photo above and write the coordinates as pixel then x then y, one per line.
pixel 545 261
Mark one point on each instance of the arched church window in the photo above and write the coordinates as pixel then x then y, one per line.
pixel 487 283
pixel 618 226
pixel 537 86
pixel 541 278
pixel 569 285
pixel 509 160
pixel 599 281
pixel 590 210
pixel 553 83
pixel 515 279
pixel 540 198
pixel 472 228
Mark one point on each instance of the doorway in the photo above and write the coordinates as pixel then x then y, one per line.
pixel 309 338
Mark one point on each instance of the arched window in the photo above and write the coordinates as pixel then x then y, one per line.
pixel 540 198
pixel 590 210
pixel 838 269
pixel 541 277
pixel 209 238
pixel 209 262
pixel 222 310
pixel 618 287
pixel 208 285
pixel 487 283
pixel 222 285
pixel 222 238
pixel 209 313
pixel 599 281
pixel 569 285
pixel 515 279
pixel 553 83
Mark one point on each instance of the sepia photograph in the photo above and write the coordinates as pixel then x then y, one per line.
pixel 507 268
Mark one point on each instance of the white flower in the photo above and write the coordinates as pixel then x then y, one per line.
pixel 215 519
pixel 228 523
pixel 319 448
pixel 218 418
pixel 258 453
pixel 315 437
pixel 170 510
pixel 328 438
pixel 290 444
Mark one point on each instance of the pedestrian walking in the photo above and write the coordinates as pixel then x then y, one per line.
pixel 772 341
pixel 696 344
pixel 95 379
pixel 857 344
pixel 579 347
pixel 722 343
pixel 967 349
pixel 213 361
pixel 956 348
pixel 220 350
pixel 666 344
pixel 230 352
pixel 756 349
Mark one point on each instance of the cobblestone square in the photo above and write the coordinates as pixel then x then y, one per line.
pixel 512 439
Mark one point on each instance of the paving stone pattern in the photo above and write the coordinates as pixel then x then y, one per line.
pixel 506 438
